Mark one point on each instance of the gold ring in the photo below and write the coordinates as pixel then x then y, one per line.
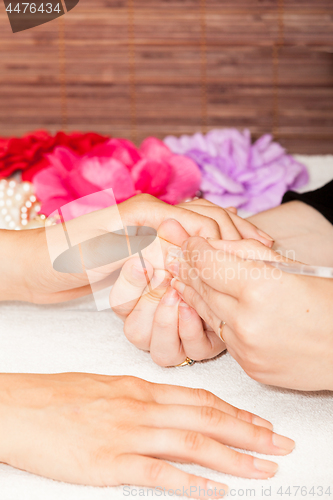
pixel 187 362
pixel 222 325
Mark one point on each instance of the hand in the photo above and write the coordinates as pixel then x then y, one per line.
pixel 168 328
pixel 106 431
pixel 27 272
pixel 278 325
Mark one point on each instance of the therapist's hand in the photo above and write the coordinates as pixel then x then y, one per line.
pixel 106 431
pixel 278 325
pixel 156 319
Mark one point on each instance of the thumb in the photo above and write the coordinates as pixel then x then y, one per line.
pixel 173 232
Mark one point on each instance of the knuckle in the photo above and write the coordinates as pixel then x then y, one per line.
pixel 243 415
pixel 211 416
pixel 193 441
pixel 134 383
pixel 133 334
pixel 162 359
pixel 154 471
pixel 205 398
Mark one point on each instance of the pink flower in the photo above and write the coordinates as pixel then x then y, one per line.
pixel 119 165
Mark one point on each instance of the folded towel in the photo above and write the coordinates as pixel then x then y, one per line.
pixel 75 337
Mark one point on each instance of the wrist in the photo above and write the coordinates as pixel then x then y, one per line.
pixel 12 264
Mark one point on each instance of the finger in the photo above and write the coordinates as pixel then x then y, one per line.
pixel 223 271
pixel 249 231
pixel 138 325
pixel 233 210
pixel 165 347
pixel 219 426
pixel 170 230
pixel 172 394
pixel 197 343
pixel 129 286
pixel 194 447
pixel 244 228
pixel 248 249
pixel 227 227
pixel 210 314
pixel 150 472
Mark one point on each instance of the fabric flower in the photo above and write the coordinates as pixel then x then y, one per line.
pixel 119 165
pixel 235 172
pixel 28 153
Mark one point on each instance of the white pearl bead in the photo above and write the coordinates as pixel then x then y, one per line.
pixel 18 197
pixel 24 209
pixel 12 184
pixel 9 203
pixel 24 222
pixel 28 204
pixel 11 224
pixel 4 211
pixel 8 218
pixel 10 192
pixel 26 187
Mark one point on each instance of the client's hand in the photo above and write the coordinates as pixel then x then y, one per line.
pixel 107 431
pixel 168 328
pixel 25 264
pixel 278 325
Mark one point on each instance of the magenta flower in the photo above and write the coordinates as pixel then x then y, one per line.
pixel 235 172
pixel 119 165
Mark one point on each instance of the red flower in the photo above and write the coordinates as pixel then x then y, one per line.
pixel 28 152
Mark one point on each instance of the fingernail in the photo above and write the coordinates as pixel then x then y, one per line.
pixel 283 443
pixel 173 268
pixel 265 466
pixel 170 298
pixel 185 312
pixel 264 235
pixel 262 422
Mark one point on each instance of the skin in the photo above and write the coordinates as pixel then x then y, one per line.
pixel 263 308
pixel 106 431
pixel 294 226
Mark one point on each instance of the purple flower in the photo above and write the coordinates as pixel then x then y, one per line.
pixel 236 173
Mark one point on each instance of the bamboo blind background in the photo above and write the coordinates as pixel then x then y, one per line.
pixel 133 68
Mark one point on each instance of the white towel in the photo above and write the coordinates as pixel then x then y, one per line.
pixel 75 337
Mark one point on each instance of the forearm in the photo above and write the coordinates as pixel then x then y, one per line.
pixel 300 232
pixel 12 264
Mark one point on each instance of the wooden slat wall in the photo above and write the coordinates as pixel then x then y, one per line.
pixel 133 68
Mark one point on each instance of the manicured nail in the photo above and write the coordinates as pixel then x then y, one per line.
pixel 173 267
pixel 216 490
pixel 283 443
pixel 262 422
pixel 265 466
pixel 264 235
pixel 170 298
pixel 185 312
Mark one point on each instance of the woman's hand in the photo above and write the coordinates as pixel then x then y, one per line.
pixel 107 431
pixel 156 319
pixel 278 325
pixel 27 272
